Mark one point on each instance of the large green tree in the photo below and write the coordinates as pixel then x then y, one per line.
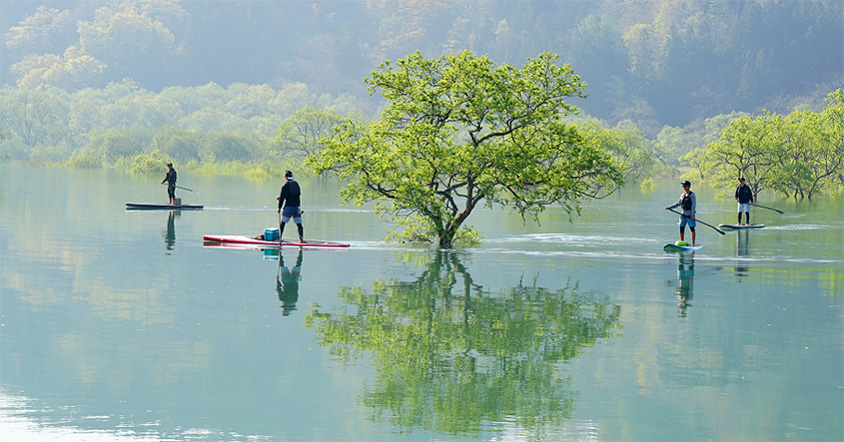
pixel 459 132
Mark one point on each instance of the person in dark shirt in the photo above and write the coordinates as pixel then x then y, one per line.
pixel 170 178
pixel 289 201
pixel 744 198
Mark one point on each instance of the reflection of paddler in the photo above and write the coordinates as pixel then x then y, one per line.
pixel 742 249
pixel 742 243
pixel 287 284
pixel 170 236
pixel 685 278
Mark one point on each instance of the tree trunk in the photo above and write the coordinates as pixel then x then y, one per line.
pixel 446 238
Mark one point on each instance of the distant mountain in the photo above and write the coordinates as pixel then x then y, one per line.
pixel 656 63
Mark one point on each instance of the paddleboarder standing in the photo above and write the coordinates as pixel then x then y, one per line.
pixel 688 201
pixel 744 198
pixel 289 200
pixel 170 178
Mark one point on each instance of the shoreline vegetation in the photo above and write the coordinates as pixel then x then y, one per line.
pixel 799 155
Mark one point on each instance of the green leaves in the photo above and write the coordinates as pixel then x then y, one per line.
pixel 460 131
pixel 798 155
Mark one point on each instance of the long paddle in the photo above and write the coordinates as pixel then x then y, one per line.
pixel 699 221
pixel 189 190
pixel 769 208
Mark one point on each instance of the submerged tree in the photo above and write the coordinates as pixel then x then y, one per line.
pixel 744 150
pixel 799 155
pixel 460 131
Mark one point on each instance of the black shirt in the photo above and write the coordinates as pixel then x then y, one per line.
pixel 290 193
pixel 744 195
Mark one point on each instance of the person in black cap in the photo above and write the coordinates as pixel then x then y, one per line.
pixel 688 201
pixel 290 201
pixel 744 198
pixel 170 178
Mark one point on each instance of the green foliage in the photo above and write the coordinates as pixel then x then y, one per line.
pixel 67 71
pixel 129 41
pixel 799 155
pixel 152 163
pixel 647 185
pixel 13 151
pixel 636 155
pixel 419 230
pixel 36 117
pixel 460 132
pixel 690 59
pixel 114 144
pixel 47 154
pixel 300 134
pixel 657 63
pixel 254 170
pixel 177 143
pixel 85 159
pixel 182 120
pixel 810 158
pixel 47 29
pixel 669 62
pixel 227 146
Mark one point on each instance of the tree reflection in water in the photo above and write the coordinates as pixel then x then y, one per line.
pixel 451 356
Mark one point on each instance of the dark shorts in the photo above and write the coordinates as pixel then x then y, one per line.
pixel 291 212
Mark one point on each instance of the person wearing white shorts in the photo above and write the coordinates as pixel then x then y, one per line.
pixel 744 198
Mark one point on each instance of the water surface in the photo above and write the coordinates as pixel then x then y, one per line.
pixel 122 325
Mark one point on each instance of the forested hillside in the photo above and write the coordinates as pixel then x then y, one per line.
pixel 655 63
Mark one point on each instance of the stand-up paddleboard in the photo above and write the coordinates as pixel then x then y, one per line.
pixel 740 226
pixel 149 206
pixel 250 241
pixel 675 248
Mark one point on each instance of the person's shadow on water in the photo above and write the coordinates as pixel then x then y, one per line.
pixel 287 283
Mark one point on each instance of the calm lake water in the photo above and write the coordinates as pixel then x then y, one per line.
pixel 121 325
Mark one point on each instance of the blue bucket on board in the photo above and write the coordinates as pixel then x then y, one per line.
pixel 271 234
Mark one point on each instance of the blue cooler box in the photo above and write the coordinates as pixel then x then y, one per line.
pixel 271 234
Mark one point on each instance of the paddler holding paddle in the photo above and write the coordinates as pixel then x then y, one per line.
pixel 170 178
pixel 288 199
pixel 688 201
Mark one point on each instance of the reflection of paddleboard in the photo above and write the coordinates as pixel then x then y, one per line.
pixel 149 206
pixel 247 240
pixel 675 248
pixel 741 226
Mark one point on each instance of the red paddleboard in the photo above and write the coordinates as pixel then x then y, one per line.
pixel 248 240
